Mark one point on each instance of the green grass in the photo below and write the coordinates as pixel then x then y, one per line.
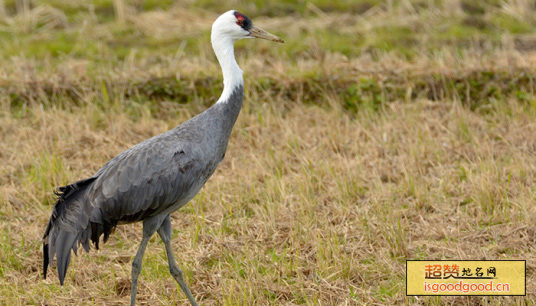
pixel 407 35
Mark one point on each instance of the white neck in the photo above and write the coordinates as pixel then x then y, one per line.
pixel 232 75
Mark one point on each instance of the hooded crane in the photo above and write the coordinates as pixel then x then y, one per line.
pixel 155 177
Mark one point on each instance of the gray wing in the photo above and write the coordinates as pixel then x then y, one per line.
pixel 145 180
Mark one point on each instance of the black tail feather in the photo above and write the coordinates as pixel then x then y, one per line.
pixel 96 232
pixel 64 243
pixel 68 227
pixel 72 224
pixel 45 259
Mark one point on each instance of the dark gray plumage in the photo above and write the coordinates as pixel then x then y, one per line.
pixel 155 177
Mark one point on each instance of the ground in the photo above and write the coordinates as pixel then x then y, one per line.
pixel 379 132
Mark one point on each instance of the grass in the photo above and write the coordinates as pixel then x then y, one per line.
pixel 377 133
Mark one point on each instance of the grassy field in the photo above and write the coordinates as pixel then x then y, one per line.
pixel 380 131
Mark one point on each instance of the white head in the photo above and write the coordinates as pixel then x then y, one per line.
pixel 228 28
pixel 234 26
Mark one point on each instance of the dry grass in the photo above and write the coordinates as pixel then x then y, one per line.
pixel 339 169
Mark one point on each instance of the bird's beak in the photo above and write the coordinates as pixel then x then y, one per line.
pixel 260 33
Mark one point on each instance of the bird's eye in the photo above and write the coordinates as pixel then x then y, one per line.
pixel 240 22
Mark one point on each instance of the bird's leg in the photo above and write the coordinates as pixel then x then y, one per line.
pixel 150 226
pixel 136 268
pixel 165 233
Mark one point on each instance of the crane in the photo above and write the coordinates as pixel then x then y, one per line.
pixel 156 177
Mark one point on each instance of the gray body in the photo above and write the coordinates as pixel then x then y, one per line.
pixel 143 183
pixel 163 173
